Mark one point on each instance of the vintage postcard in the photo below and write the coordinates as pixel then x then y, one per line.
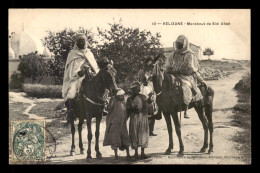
pixel 129 86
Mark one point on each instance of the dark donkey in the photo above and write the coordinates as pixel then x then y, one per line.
pixel 90 104
pixel 170 108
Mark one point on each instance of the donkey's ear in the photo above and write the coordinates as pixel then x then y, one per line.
pixel 103 61
pixel 156 59
pixel 99 63
pixel 102 64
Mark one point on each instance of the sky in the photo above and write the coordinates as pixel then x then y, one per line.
pixel 228 41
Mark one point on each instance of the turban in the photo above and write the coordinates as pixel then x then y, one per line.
pixel 184 40
pixel 80 36
pixel 120 92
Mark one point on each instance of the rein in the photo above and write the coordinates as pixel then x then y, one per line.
pixel 91 101
pixel 159 93
pixel 88 99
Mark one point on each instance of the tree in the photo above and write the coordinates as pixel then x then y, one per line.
pixel 208 52
pixel 60 43
pixel 128 48
pixel 33 65
pixel 16 81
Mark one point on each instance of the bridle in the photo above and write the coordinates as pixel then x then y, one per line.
pixel 159 93
pixel 93 102
pixel 90 100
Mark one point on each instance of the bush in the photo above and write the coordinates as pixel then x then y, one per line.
pixel 243 116
pixel 17 81
pixel 43 91
pixel 33 65
pixel 244 85
pixel 243 107
pixel 129 48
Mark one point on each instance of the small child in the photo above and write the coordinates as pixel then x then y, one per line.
pixel 147 90
pixel 116 133
pixel 138 125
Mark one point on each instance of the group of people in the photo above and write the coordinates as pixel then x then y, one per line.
pixel 119 111
pixel 140 105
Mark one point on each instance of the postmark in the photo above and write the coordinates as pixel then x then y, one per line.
pixel 31 142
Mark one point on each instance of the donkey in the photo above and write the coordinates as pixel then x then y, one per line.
pixel 90 103
pixel 171 106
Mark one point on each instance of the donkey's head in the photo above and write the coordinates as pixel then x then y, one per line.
pixel 158 74
pixel 108 73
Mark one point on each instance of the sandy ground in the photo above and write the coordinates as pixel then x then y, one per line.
pixel 225 150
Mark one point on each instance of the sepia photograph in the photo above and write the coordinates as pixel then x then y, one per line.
pixel 129 86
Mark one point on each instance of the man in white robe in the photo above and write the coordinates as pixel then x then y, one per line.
pixel 184 65
pixel 80 59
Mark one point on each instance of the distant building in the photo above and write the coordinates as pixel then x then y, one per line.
pixel 24 43
pixel 197 50
pixel 11 53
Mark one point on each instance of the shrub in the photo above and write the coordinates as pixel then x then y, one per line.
pixel 33 65
pixel 243 107
pixel 17 81
pixel 244 85
pixel 43 91
pixel 243 116
pixel 129 48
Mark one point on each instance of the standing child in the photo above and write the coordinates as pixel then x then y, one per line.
pixel 147 90
pixel 138 126
pixel 116 133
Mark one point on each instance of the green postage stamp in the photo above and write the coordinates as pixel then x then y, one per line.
pixel 28 141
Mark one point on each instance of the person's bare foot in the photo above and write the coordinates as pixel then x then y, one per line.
pixel 152 134
pixel 128 158
pixel 136 156
pixel 144 156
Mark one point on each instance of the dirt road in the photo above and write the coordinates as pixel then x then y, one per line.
pixel 225 150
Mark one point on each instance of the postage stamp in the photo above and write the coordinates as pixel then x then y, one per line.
pixel 31 141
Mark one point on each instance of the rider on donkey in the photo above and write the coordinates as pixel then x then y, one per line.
pixel 80 59
pixel 184 66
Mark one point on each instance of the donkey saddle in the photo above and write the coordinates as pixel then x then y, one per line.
pixel 176 92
